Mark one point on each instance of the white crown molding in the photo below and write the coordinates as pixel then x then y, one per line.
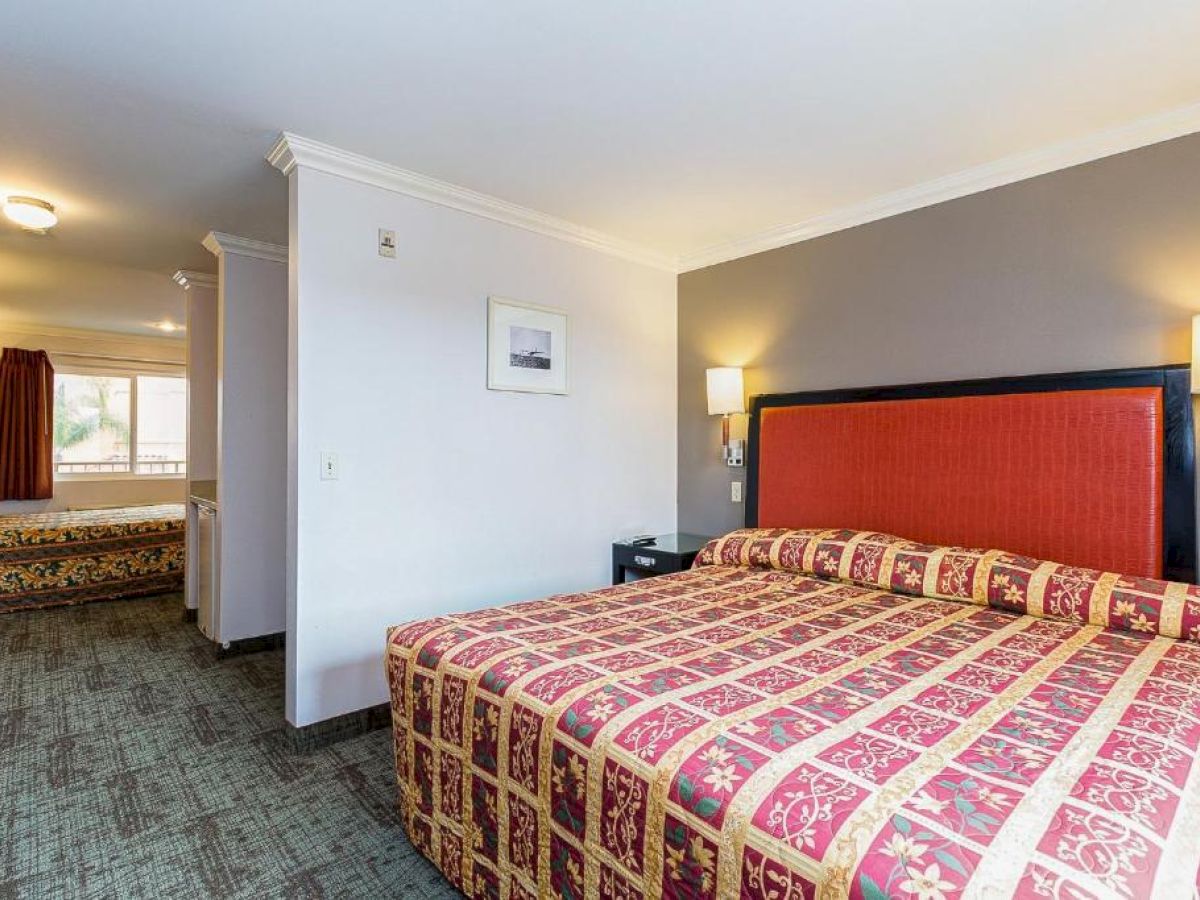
pixel 187 278
pixel 35 329
pixel 217 242
pixel 292 150
pixel 1108 142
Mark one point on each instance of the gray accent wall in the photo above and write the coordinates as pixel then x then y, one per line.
pixel 1092 267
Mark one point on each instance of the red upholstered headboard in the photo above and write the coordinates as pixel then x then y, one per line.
pixel 1092 469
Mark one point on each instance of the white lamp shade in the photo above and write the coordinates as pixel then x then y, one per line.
pixel 1196 354
pixel 725 392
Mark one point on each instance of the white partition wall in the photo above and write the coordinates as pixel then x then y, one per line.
pixel 251 435
pixel 201 368
pixel 202 298
pixel 450 496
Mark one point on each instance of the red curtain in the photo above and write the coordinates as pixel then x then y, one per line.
pixel 26 425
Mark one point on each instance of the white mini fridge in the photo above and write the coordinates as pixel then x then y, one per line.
pixel 207 583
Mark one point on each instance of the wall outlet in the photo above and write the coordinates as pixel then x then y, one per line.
pixel 735 491
pixel 387 243
pixel 329 466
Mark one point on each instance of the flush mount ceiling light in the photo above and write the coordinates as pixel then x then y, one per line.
pixel 30 213
pixel 167 326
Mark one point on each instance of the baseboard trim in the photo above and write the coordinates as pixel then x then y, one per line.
pixel 251 645
pixel 329 731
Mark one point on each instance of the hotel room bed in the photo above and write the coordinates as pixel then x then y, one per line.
pixel 843 713
pixel 64 558
pixel 937 722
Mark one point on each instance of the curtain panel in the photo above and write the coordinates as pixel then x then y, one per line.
pixel 26 425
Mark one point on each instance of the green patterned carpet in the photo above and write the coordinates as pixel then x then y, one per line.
pixel 134 764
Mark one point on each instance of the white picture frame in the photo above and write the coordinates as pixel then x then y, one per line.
pixel 528 347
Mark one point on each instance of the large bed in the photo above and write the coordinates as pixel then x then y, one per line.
pixel 64 558
pixel 822 709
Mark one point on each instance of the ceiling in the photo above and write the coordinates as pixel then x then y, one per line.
pixel 677 126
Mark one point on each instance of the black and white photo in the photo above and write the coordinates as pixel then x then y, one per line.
pixel 528 348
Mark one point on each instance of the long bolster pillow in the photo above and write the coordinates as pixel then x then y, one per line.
pixel 984 577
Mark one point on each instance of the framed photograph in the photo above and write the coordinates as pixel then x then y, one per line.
pixel 527 347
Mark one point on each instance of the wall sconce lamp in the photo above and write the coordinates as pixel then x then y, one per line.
pixel 727 397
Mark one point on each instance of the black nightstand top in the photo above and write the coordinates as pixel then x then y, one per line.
pixel 669 553
pixel 680 542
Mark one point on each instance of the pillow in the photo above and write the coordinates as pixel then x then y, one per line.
pixel 984 577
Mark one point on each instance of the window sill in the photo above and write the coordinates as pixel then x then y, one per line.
pixel 114 476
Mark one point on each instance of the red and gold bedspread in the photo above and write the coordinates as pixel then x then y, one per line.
pixel 752 729
pixel 57 559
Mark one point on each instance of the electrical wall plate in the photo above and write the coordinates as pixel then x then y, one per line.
pixel 329 466
pixel 387 243
pixel 735 456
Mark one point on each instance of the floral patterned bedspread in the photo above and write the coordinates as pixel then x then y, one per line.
pixel 811 714
pixel 56 559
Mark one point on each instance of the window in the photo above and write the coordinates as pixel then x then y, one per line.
pixel 161 425
pixel 132 425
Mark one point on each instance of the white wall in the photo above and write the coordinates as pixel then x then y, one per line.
pixel 451 496
pixel 252 444
pixel 91 494
pixel 202 382
pixel 103 492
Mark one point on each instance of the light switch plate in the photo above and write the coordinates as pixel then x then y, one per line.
pixel 387 243
pixel 735 491
pixel 329 466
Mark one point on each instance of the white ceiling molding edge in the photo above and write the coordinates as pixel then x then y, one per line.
pixel 187 278
pixel 1108 142
pixel 35 329
pixel 217 242
pixel 292 150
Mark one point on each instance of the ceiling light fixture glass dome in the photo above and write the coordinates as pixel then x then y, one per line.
pixel 30 213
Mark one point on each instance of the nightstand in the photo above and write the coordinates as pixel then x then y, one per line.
pixel 668 553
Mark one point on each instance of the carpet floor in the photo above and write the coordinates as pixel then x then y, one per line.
pixel 134 764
